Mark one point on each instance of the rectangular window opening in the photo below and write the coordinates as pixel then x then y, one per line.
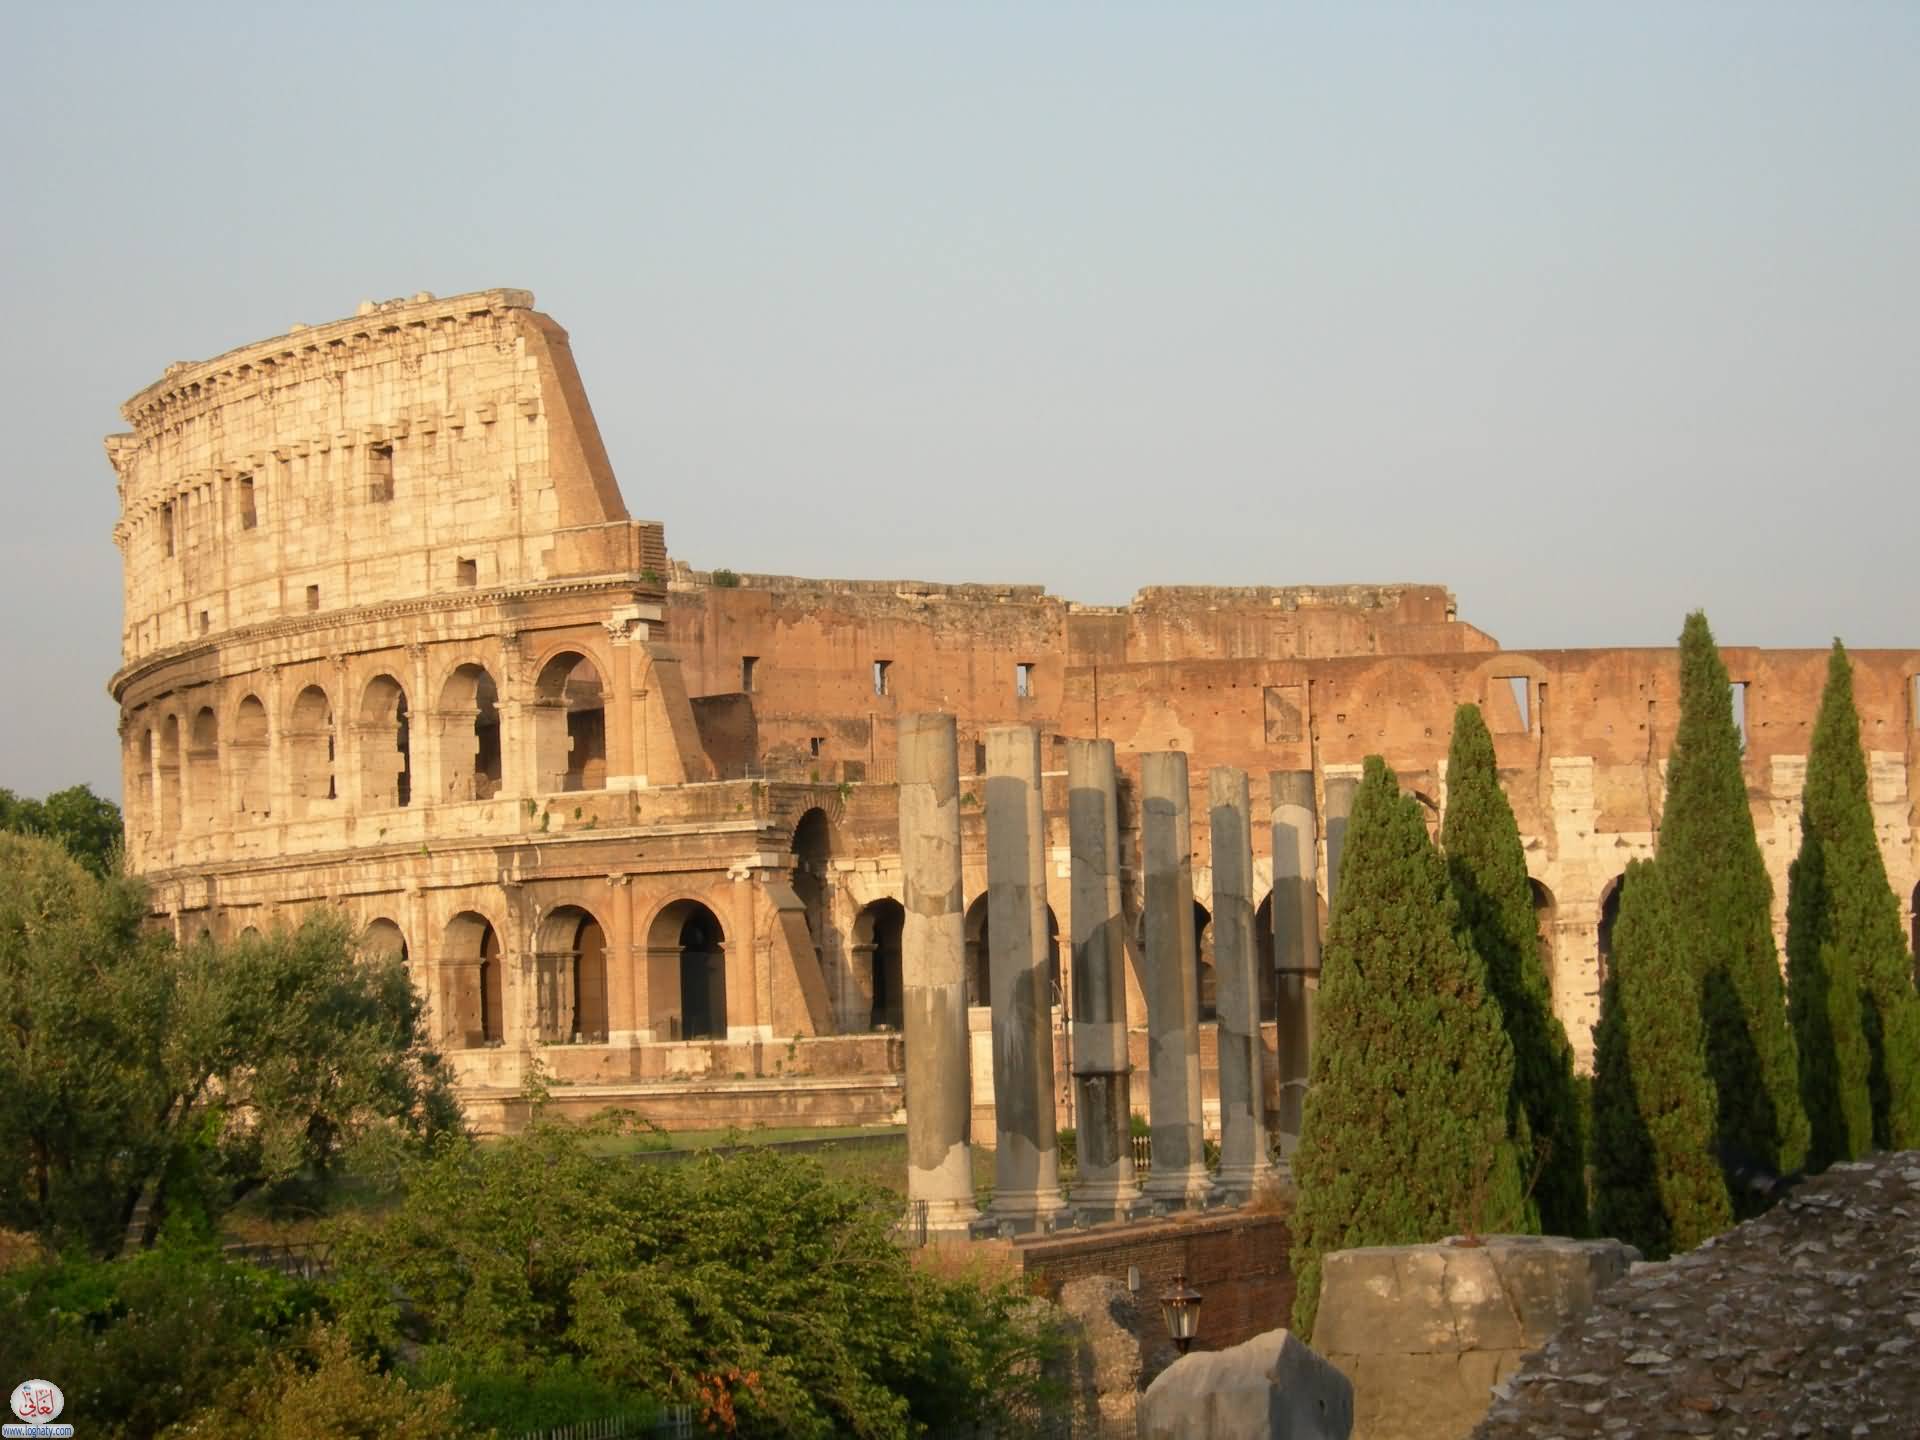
pixel 166 527
pixel 1510 711
pixel 206 623
pixel 249 516
pixel 1023 679
pixel 1739 688
pixel 313 597
pixel 380 473
pixel 747 662
pixel 469 573
pixel 814 743
pixel 880 680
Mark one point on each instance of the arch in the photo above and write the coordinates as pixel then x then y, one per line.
pixel 310 757
pixel 203 768
pixel 386 759
pixel 573 976
pixel 383 937
pixel 1203 972
pixel 248 751
pixel 812 849
pixel 688 930
pixel 140 793
pixel 1544 910
pixel 1609 913
pixel 1264 962
pixel 167 775
pixel 470 967
pixel 877 932
pixel 469 733
pixel 979 957
pixel 249 935
pixel 569 725
pixel 1914 911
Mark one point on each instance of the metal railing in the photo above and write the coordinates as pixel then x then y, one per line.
pixel 673 1423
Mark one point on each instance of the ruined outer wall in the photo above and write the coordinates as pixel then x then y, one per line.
pixel 419 448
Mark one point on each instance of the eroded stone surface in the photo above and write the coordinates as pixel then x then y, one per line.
pixel 1800 1323
pixel 1270 1388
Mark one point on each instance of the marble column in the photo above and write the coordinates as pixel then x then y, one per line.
pixel 1179 1179
pixel 1340 791
pixel 1296 940
pixel 1244 1166
pixel 933 977
pixel 1026 1168
pixel 1105 1189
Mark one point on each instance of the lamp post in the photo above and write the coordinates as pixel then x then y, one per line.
pixel 1180 1307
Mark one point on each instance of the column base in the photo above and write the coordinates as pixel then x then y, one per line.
pixel 1238 1184
pixel 1107 1204
pixel 1187 1189
pixel 944 1219
pixel 1038 1212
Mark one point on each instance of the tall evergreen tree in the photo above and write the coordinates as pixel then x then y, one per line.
pixel 1405 1137
pixel 1656 1183
pixel 1722 902
pixel 1844 938
pixel 1488 870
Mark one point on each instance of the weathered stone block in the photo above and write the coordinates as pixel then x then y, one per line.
pixel 1425 1331
pixel 1272 1386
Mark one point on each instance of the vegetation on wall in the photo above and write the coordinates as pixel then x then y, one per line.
pixel 1488 871
pixel 1405 1134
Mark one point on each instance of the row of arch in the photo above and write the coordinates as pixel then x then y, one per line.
pixel 186 773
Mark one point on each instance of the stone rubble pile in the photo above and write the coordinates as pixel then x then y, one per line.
pixel 1804 1322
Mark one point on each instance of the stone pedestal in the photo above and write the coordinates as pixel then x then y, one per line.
pixel 1296 941
pixel 1026 1194
pixel 933 977
pixel 1105 1189
pixel 1244 1166
pixel 1179 1179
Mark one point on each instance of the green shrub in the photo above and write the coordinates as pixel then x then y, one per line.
pixel 724 579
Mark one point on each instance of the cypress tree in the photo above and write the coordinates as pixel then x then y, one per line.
pixel 1722 909
pixel 1404 1138
pixel 1860 1015
pixel 1488 871
pixel 1656 1183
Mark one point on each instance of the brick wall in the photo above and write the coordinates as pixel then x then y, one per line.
pixel 1237 1260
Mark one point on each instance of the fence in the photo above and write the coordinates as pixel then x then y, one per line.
pixel 673 1423
pixel 302 1260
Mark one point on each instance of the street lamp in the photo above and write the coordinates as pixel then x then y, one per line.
pixel 1180 1307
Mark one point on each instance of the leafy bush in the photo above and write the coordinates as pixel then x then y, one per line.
pixel 138 1343
pixel 725 579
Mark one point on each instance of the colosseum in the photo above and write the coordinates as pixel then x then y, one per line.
pixel 393 644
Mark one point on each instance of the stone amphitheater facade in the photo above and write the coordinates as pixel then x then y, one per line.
pixel 393 644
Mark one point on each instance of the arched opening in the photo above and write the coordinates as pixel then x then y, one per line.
pixel 1609 913
pixel 877 932
pixel 382 938
pixel 573 977
pixel 310 751
pixel 469 724
pixel 474 987
pixel 248 749
pixel 203 768
pixel 386 759
pixel 1263 960
pixel 168 773
pixel 1544 909
pixel 140 793
pixel 1914 911
pixel 812 849
pixel 249 935
pixel 979 958
pixel 570 725
pixel 1203 962
pixel 688 931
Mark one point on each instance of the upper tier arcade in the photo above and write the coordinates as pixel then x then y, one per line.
pixel 422 447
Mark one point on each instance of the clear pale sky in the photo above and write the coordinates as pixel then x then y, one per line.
pixel 1594 313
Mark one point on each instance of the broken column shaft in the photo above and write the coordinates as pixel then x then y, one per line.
pixel 1105 1189
pixel 1244 1166
pixel 1026 1171
pixel 933 977
pixel 1179 1178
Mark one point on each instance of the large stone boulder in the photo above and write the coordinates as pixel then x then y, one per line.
pixel 1426 1331
pixel 1270 1388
